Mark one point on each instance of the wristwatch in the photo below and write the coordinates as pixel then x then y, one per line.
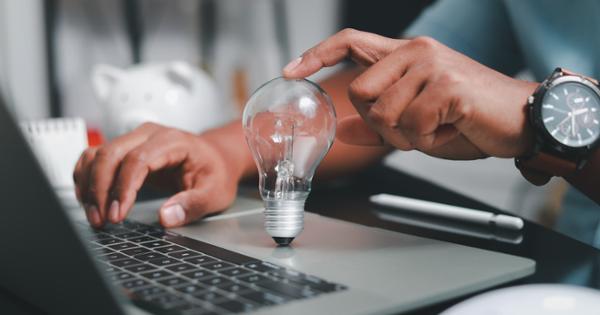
pixel 564 112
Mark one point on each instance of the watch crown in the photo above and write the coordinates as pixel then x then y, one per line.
pixel 530 99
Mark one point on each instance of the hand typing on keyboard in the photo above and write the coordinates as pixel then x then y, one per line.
pixel 204 169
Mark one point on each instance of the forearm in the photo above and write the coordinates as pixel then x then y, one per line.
pixel 231 142
pixel 587 179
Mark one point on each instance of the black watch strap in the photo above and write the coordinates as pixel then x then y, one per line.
pixel 541 166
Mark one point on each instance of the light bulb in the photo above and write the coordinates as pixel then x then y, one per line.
pixel 289 126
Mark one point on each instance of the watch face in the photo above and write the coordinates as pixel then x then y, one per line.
pixel 571 114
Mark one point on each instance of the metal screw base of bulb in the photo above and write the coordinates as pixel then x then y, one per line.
pixel 284 220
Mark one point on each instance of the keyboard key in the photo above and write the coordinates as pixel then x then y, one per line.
pixel 168 301
pixel 102 251
pixel 114 229
pixel 292 275
pixel 263 298
pixel 158 234
pixel 110 269
pixel 135 283
pixel 320 285
pixel 262 266
pixel 163 261
pixel 153 275
pixel 235 288
pixel 112 256
pixel 234 272
pixel 217 266
pixel 200 260
pixel 148 291
pixel 140 268
pixel 190 288
pixel 235 306
pixel 153 244
pixel 98 236
pixel 142 239
pixel 122 246
pixel 215 281
pixel 197 274
pixel 180 267
pixel 127 235
pixel 209 296
pixel 126 262
pixel 253 278
pixel 199 310
pixel 209 249
pixel 149 229
pixel 120 276
pixel 286 289
pixel 169 249
pixel 135 251
pixel 108 241
pixel 184 254
pixel 174 281
pixel 149 256
pixel 133 225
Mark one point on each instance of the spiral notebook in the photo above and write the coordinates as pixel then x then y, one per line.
pixel 57 144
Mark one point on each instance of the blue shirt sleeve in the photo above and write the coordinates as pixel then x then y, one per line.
pixel 480 29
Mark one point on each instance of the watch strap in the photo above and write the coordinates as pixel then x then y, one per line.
pixel 569 72
pixel 544 163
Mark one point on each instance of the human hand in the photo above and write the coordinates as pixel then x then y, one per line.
pixel 420 94
pixel 108 178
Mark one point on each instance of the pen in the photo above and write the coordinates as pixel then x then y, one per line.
pixel 448 211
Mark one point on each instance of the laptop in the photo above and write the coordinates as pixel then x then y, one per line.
pixel 53 261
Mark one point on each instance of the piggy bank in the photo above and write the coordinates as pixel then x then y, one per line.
pixel 174 94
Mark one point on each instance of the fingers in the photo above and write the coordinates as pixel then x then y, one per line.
pixel 82 172
pixel 95 174
pixel 195 203
pixel 162 151
pixel 364 48
pixel 354 130
pixel 105 166
pixel 369 86
pixel 385 114
pixel 429 120
pixel 81 176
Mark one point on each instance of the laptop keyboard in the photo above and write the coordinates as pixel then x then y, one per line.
pixel 161 270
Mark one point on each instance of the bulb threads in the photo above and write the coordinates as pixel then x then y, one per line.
pixel 284 219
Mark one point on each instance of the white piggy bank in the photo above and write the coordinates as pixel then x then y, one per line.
pixel 174 94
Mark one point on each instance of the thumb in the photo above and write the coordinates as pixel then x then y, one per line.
pixel 184 207
pixel 354 130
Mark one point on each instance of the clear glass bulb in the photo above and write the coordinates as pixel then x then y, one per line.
pixel 289 127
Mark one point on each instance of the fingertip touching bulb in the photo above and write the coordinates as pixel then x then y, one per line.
pixel 289 127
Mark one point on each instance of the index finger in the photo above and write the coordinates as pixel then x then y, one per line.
pixel 362 47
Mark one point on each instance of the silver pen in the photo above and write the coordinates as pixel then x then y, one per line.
pixel 448 211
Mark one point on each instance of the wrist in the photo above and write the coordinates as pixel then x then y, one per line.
pixel 230 142
pixel 527 145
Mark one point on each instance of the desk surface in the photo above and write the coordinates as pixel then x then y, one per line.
pixel 559 258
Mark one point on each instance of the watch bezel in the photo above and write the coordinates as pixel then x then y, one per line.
pixel 537 120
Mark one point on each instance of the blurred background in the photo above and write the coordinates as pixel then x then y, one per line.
pixel 117 63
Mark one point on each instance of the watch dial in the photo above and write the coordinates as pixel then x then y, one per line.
pixel 571 114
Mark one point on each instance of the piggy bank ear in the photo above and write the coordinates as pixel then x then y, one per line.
pixel 181 73
pixel 104 77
